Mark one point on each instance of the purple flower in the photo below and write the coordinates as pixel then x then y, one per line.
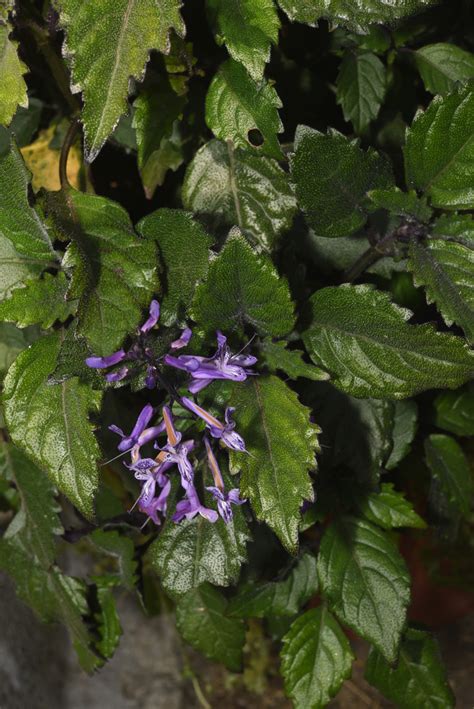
pixel 183 339
pixel 223 365
pixel 156 504
pixel 224 500
pixel 225 432
pixel 175 452
pixel 140 433
pixel 154 315
pixel 191 506
pixel 104 362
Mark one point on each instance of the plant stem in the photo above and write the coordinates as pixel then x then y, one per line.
pixel 372 255
pixel 66 147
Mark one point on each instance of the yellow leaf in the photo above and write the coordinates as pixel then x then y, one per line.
pixel 43 162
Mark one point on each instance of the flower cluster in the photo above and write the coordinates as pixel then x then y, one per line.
pixel 154 472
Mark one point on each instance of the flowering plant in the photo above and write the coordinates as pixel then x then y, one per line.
pixel 277 484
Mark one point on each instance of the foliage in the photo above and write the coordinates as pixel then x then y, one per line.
pixel 294 178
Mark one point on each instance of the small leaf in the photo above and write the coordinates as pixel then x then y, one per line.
pixel 277 357
pixel 106 45
pixel 389 509
pixel 50 422
pixel 184 248
pixel 114 272
pixel 299 10
pixel 439 151
pixel 230 187
pixel 202 621
pixel 248 28
pixel 282 443
pixel 359 16
pixel 455 411
pixel 446 270
pixel 13 86
pixel 25 247
pixel 404 430
pixel 365 582
pixel 277 598
pixel 450 468
pixel 41 302
pixel 333 195
pixel 402 204
pixel 187 554
pixel 237 105
pixel 106 617
pixel 243 289
pixel 12 342
pixel 418 679
pixel 366 344
pixel 123 549
pixel 360 85
pixel 444 65
pixel 316 659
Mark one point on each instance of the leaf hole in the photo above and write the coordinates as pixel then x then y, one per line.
pixel 255 138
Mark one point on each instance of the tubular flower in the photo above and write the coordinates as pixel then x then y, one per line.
pixel 224 499
pixel 140 433
pixel 175 452
pixel 225 432
pixel 191 506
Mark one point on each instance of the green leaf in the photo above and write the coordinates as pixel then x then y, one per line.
pixel 446 270
pixel 248 28
pixel 123 549
pixel 156 111
pixel 360 88
pixel 404 430
pixel 444 65
pixel 243 289
pixel 458 228
pixel 277 598
pixel 13 86
pixel 202 621
pixel 356 15
pixel 187 554
pixel 333 195
pixel 455 411
pixel 50 422
pixel 357 433
pixel 366 344
pixel 418 679
pixel 12 342
pixel 278 358
pixel 107 44
pixel 41 301
pixel 282 443
pixel 106 617
pixel 402 204
pixel 316 659
pixel 439 151
pixel 299 10
pixel 450 468
pixel 25 247
pixel 184 248
pixel 365 582
pixel 238 187
pixel 114 272
pixel 236 105
pixel 389 509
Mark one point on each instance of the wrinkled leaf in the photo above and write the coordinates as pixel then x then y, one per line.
pixel 403 433
pixel 450 468
pixel 13 86
pixel 360 85
pixel 403 204
pixel 41 301
pixel 278 358
pixel 359 16
pixel 455 411
pixel 442 65
pixel 389 509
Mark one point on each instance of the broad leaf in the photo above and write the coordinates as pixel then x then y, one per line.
pixel 202 621
pixel 365 582
pixel 12 342
pixel 106 44
pixel 450 468
pixel 403 433
pixel 278 358
pixel 361 85
pixel 316 659
pixel 282 443
pixel 389 509
pixel 455 411
pixel 41 301
pixel 439 151
pixel 446 270
pixel 50 422
pixel 123 550
pixel 187 554
pixel 444 65
pixel 13 86
pixel 184 249
pixel 237 105
pixel 243 290
pixel 366 344
pixel 25 247
pixel 277 598
pixel 230 187
pixel 333 195
pixel 248 28
pixel 402 204
pixel 418 679
pixel 356 15
pixel 114 272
